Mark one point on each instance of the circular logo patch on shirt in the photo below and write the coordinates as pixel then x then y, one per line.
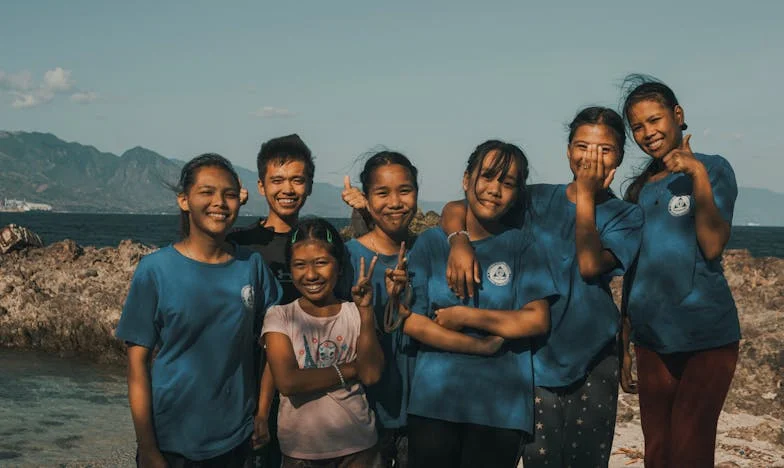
pixel 499 273
pixel 679 205
pixel 247 297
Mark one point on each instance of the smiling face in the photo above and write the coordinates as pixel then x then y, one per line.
pixel 286 187
pixel 594 134
pixel 314 271
pixel 490 193
pixel 212 202
pixel 656 129
pixel 392 198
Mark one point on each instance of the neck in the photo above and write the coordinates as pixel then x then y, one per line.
pixel 205 248
pixel 386 243
pixel 280 224
pixel 322 308
pixel 480 229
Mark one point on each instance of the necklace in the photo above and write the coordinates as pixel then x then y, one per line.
pixel 381 256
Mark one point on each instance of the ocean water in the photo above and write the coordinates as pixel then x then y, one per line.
pixel 55 410
pixel 109 229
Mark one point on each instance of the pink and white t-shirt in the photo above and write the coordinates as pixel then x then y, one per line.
pixel 323 424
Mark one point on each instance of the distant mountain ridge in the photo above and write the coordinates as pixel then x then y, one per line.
pixel 41 168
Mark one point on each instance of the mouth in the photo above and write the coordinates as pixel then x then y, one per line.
pixel 313 288
pixel 218 216
pixel 397 216
pixel 654 145
pixel 489 203
pixel 288 202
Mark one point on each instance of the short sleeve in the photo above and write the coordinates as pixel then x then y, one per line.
pixel 725 188
pixel 536 281
pixel 271 290
pixel 622 236
pixel 138 320
pixel 419 272
pixel 276 321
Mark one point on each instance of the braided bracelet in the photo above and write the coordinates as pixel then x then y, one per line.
pixel 453 234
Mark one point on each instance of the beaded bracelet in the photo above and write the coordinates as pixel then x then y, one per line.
pixel 340 375
pixel 453 234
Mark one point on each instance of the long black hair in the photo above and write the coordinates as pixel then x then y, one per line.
pixel 188 177
pixel 637 88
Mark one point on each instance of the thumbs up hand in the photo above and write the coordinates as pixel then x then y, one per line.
pixel 352 196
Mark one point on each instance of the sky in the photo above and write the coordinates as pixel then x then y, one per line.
pixel 431 79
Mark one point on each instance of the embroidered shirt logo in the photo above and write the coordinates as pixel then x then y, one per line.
pixel 679 205
pixel 248 299
pixel 499 273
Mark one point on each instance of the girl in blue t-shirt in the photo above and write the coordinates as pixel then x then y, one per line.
pixel 467 410
pixel 589 236
pixel 683 318
pixel 199 302
pixel 388 200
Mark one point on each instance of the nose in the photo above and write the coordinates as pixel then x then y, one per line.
pixel 395 201
pixel 288 186
pixel 310 272
pixel 649 130
pixel 494 188
pixel 220 200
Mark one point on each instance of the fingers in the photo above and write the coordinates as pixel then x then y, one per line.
pixel 347 182
pixel 371 268
pixel 599 162
pixel 477 274
pixel 401 256
pixel 460 286
pixel 361 269
pixel 469 285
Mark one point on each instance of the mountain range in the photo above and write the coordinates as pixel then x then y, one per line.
pixel 39 167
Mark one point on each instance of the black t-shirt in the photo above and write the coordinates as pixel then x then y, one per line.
pixel 272 246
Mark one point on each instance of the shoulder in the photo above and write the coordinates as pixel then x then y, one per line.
pixel 713 162
pixel 617 207
pixel 282 312
pixel 250 234
pixel 543 190
pixel 429 239
pixel 160 259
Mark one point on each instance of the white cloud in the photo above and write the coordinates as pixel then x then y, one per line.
pixel 84 97
pixel 269 112
pixel 26 93
pixel 58 80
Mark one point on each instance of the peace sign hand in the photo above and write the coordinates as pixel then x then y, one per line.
pixel 396 280
pixel 682 159
pixel 362 291
pixel 590 175
pixel 352 196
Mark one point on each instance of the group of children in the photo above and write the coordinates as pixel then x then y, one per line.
pixel 489 339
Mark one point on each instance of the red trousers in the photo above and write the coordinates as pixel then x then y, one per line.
pixel 681 396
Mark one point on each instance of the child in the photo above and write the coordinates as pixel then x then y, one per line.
pixel 286 170
pixel 321 351
pixel 472 410
pixel 684 321
pixel 196 301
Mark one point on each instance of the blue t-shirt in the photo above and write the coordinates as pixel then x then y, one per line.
pixel 496 390
pixel 678 301
pixel 585 318
pixel 204 318
pixel 389 397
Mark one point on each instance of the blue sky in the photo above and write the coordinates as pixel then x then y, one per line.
pixel 432 79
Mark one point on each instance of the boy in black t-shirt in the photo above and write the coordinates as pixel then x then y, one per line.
pixel 286 170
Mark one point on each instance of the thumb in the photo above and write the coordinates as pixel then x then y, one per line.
pixel 347 182
pixel 609 179
pixel 685 143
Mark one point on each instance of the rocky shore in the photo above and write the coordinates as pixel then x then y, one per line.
pixel 66 299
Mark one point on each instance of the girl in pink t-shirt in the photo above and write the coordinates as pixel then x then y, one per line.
pixel 321 350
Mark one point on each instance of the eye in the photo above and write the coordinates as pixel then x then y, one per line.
pixel 299 180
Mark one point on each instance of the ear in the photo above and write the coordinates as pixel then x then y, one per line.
pixel 260 186
pixel 680 117
pixel 466 181
pixel 182 201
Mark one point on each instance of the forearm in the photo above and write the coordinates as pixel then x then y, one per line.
pixel 531 320
pixel 140 399
pixel 713 231
pixel 303 381
pixel 453 217
pixel 370 356
pixel 266 392
pixel 592 258
pixel 432 334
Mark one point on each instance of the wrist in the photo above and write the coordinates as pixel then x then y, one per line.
pixel 458 237
pixel 697 169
